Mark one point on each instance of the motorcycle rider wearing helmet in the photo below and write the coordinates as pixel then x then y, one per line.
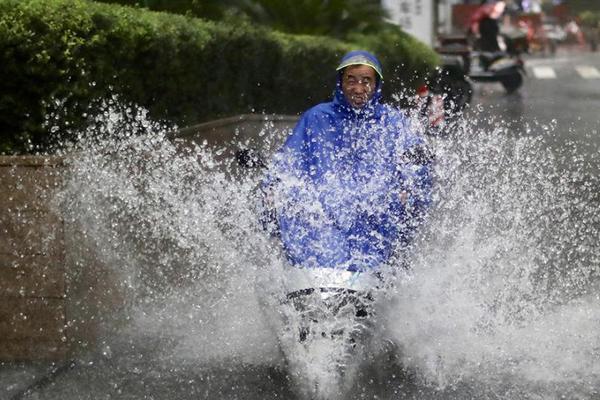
pixel 350 185
pixel 489 26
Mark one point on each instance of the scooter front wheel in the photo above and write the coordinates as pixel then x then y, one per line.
pixel 324 339
pixel 512 82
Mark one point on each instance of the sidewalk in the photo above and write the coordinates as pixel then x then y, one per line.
pixel 17 379
pixel 140 376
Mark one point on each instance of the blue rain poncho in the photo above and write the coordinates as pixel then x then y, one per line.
pixel 337 185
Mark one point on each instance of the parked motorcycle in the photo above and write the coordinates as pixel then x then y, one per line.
pixel 443 97
pixel 451 82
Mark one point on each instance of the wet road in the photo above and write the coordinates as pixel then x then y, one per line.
pixel 564 88
pixel 144 375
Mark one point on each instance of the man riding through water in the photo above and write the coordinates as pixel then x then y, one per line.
pixel 349 187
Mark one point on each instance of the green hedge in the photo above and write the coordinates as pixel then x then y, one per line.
pixel 590 19
pixel 62 56
pixel 579 6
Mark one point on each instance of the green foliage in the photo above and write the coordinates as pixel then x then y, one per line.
pixel 62 57
pixel 210 9
pixel 590 18
pixel 579 6
pixel 336 18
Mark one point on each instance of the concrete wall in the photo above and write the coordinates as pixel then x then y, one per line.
pixel 55 297
pixel 262 133
pixel 32 267
pixel 259 130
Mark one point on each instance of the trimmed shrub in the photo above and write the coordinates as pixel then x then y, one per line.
pixel 590 19
pixel 211 9
pixel 61 57
pixel 578 6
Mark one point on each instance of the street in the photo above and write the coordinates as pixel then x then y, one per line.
pixel 564 88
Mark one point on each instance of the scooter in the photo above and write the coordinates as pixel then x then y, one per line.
pixel 497 67
pixel 324 320
pixel 480 66
pixel 327 331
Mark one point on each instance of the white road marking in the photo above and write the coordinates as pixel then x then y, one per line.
pixel 588 72
pixel 544 61
pixel 544 72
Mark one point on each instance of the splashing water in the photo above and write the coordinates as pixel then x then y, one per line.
pixel 181 236
pixel 504 291
pixel 502 295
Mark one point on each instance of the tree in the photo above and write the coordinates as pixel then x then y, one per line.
pixel 335 18
pixel 209 9
pixel 578 6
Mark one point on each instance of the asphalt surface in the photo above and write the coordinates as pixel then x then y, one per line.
pixel 554 92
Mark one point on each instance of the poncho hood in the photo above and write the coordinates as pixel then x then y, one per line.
pixel 358 57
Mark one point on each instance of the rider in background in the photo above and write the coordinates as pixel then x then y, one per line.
pixel 352 182
pixel 485 23
pixel 489 29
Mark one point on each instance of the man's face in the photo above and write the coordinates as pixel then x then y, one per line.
pixel 358 84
